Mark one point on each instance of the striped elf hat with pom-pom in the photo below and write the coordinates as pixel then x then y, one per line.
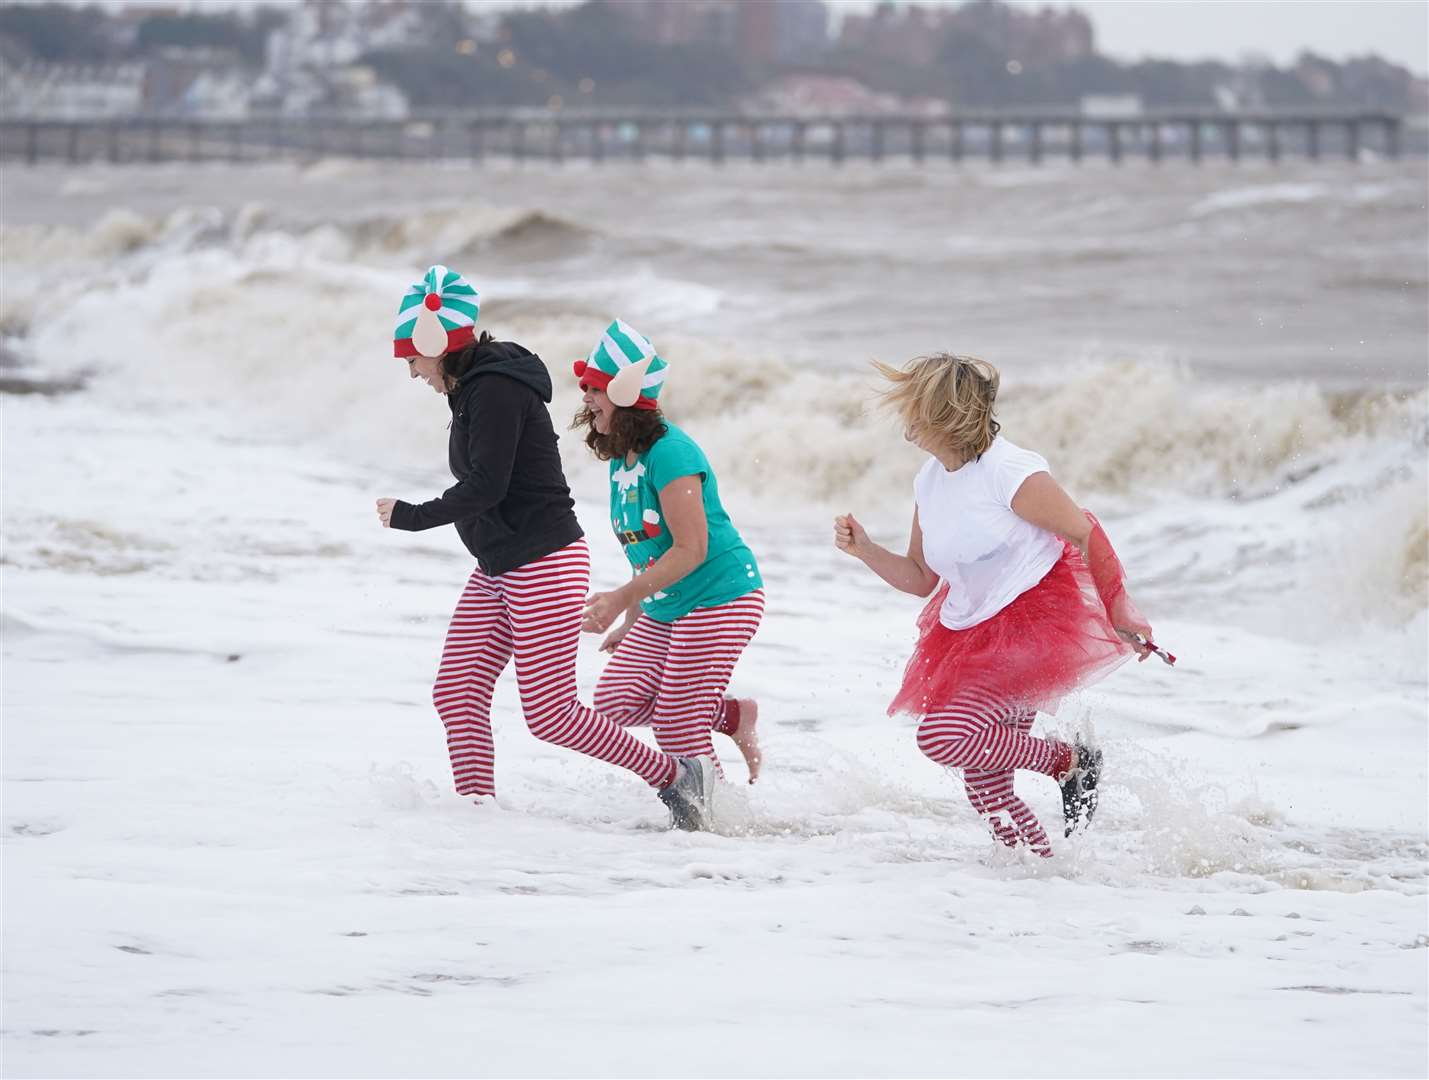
pixel 626 366
pixel 437 315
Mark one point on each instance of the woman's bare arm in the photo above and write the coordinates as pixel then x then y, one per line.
pixel 907 573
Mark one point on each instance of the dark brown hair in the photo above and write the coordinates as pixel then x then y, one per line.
pixel 631 431
pixel 457 364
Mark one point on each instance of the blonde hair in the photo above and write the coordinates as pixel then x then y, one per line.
pixel 947 398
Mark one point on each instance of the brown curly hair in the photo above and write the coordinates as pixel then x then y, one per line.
pixel 631 431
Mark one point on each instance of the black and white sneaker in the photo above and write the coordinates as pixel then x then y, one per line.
pixel 690 796
pixel 1079 787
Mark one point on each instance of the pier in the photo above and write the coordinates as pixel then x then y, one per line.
pixel 1173 136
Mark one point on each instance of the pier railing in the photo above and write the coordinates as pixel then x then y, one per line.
pixel 538 135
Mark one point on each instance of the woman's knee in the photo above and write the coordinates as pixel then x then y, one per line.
pixel 928 742
pixel 612 699
pixel 939 740
pixel 553 723
pixel 445 696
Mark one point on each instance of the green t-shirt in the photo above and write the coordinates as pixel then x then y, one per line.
pixel 729 570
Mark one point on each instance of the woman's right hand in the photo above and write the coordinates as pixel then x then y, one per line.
pixel 614 638
pixel 849 536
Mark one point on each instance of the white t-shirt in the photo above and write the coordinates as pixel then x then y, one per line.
pixel 971 538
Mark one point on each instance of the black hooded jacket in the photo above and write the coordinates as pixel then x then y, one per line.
pixel 510 503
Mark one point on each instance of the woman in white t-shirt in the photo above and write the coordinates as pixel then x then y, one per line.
pixel 1031 604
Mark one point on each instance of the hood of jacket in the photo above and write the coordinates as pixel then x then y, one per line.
pixel 509 359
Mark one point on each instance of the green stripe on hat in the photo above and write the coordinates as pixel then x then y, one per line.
pixel 469 310
pixel 632 351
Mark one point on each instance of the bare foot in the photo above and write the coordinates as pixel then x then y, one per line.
pixel 747 738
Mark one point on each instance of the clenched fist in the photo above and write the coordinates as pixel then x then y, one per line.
pixel 849 536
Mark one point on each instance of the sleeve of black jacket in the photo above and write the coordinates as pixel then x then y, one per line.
pixel 498 414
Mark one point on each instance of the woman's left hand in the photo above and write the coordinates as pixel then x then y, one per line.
pixel 384 511
pixel 601 609
pixel 1137 634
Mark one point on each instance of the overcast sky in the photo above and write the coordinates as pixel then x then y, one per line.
pixel 1398 30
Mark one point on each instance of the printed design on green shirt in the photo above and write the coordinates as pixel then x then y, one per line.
pixel 729 569
pixel 626 478
pixel 627 482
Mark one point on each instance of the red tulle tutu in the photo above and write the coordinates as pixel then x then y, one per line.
pixel 1053 638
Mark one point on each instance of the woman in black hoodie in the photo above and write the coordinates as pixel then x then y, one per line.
pixel 513 511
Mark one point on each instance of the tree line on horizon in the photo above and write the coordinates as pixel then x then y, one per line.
pixel 595 54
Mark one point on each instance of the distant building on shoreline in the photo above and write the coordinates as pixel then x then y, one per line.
pixel 916 34
pixel 72 91
pixel 835 95
pixel 764 31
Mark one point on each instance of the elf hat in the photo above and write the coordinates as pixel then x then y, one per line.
pixel 625 366
pixel 438 314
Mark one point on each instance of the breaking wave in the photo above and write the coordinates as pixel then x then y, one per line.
pixel 267 320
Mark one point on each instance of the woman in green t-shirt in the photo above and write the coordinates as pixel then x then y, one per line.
pixel 696 597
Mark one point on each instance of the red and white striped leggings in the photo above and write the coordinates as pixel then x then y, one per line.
pixel 674 675
pixel 988 739
pixel 534 614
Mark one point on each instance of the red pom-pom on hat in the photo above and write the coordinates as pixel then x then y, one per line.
pixel 433 302
pixel 579 367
